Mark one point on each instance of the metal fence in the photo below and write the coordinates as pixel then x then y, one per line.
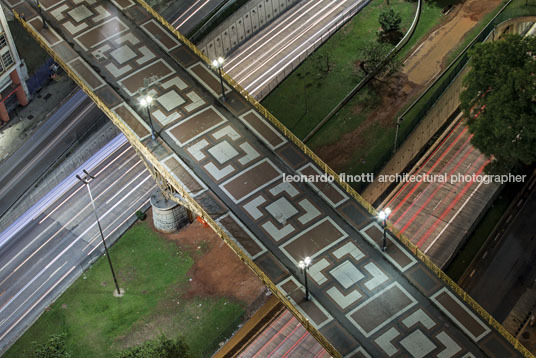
pixel 221 232
pixel 418 109
pixel 414 249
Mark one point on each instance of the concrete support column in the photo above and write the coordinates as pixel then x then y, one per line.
pixel 168 216
pixel 4 115
pixel 21 95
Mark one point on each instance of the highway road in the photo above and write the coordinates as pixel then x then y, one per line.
pixel 505 268
pixel 260 63
pixel 436 215
pixel 284 337
pixel 52 244
pixel 27 164
pixel 45 250
pixel 185 15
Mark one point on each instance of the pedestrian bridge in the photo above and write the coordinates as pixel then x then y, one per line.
pixel 225 160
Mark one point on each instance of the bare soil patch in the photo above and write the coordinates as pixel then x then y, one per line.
pixel 420 68
pixel 217 271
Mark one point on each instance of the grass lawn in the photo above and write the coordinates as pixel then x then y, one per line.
pixel 311 91
pixel 153 271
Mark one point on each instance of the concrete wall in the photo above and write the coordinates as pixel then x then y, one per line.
pixel 243 24
pixel 436 116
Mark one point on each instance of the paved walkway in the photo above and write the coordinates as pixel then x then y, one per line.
pixel 230 160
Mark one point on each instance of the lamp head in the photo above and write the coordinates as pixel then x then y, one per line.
pixel 146 100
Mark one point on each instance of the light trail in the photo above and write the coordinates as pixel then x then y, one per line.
pixel 273 337
pixel 195 12
pixel 63 227
pixel 437 161
pixel 286 337
pixel 294 36
pixel 263 38
pixel 36 158
pixel 37 302
pixel 33 293
pixel 448 209
pixel 295 344
pixel 465 146
pixel 59 190
pixel 285 59
pixel 422 165
pixel 453 217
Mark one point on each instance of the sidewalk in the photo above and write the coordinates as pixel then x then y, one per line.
pixel 26 120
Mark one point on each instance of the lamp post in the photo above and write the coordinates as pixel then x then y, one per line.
pixel 218 64
pixel 304 265
pixel 145 101
pixel 45 25
pixel 86 180
pixel 383 215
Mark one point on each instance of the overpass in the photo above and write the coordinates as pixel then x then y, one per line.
pixel 224 159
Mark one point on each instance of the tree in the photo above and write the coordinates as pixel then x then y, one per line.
pixel 159 348
pixel 390 20
pixel 374 56
pixel 499 101
pixel 55 347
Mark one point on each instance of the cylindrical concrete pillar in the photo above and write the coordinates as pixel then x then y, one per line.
pixel 168 216
pixel 21 95
pixel 4 116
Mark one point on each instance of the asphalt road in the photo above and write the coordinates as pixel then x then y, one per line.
pixel 261 62
pixel 185 15
pixel 49 247
pixel 506 268
pixel 49 142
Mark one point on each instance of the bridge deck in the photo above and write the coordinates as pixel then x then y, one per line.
pixel 230 161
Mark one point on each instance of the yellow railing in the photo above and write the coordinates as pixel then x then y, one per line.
pixel 142 149
pixel 192 203
pixel 351 191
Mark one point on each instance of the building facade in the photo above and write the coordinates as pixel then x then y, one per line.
pixel 13 72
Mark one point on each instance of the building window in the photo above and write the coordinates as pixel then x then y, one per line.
pixel 2 41
pixel 7 59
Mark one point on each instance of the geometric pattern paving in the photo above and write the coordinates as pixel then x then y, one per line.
pixel 230 160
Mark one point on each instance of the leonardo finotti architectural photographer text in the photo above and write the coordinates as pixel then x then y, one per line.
pixel 406 178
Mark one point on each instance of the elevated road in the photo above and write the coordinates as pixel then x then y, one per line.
pixel 226 160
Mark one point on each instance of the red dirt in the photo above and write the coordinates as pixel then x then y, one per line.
pixel 217 270
pixel 420 67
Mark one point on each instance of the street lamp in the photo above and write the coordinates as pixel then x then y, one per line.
pixel 218 64
pixel 383 215
pixel 87 178
pixel 146 101
pixel 45 25
pixel 304 265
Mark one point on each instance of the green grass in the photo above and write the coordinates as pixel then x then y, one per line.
pixel 469 250
pixel 413 116
pixel 310 92
pixel 153 273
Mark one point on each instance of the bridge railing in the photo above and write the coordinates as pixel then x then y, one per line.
pixel 217 228
pixel 351 191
